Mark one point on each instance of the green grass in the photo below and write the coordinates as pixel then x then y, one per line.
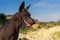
pixel 23 30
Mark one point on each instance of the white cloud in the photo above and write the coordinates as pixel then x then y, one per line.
pixel 56 17
pixel 42 4
pixel 46 4
pixel 52 17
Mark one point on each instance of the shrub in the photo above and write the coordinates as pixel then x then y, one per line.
pixel 2 18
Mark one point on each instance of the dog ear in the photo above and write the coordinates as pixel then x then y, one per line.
pixel 28 7
pixel 22 6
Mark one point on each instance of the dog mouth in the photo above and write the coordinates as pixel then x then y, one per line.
pixel 27 24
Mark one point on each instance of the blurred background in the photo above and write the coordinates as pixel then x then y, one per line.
pixel 46 14
pixel 42 10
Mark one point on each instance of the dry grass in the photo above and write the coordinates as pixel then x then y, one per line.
pixel 41 34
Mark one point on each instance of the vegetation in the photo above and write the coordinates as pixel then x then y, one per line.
pixel 25 29
pixel 56 34
pixel 49 24
pixel 2 19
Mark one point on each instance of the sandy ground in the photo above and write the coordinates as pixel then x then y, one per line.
pixel 41 34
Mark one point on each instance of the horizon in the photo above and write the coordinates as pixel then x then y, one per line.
pixel 42 10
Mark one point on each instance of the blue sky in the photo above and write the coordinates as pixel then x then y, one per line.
pixel 43 10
